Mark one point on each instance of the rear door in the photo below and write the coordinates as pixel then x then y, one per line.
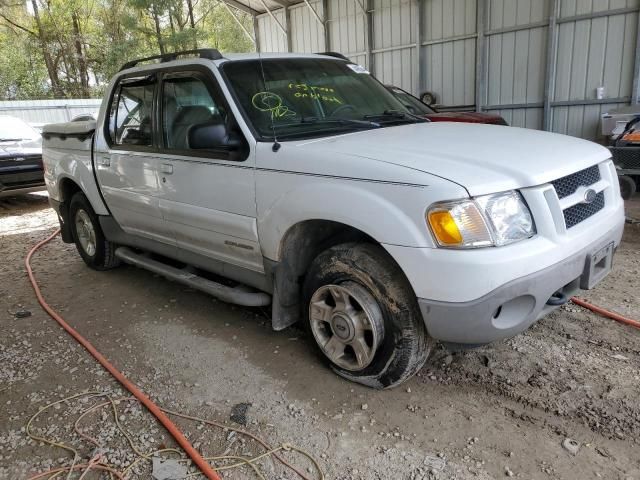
pixel 129 169
pixel 209 189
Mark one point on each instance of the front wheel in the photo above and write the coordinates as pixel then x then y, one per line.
pixel 96 251
pixel 364 317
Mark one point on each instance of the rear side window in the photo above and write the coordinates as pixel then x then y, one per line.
pixel 131 115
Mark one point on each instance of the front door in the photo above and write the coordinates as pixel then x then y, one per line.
pixel 209 187
pixel 128 167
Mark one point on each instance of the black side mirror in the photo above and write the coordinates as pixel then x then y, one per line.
pixel 213 136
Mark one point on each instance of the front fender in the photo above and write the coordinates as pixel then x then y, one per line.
pixel 389 213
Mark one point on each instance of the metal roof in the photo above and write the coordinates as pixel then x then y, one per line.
pixel 260 6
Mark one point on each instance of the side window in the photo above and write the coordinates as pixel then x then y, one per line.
pixel 131 115
pixel 188 105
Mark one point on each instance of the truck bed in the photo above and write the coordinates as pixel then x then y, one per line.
pixel 69 135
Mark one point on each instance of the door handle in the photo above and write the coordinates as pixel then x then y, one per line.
pixel 166 168
pixel 105 161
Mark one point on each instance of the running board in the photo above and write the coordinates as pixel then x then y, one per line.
pixel 236 295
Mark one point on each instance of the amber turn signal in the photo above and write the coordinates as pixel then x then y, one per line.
pixel 444 228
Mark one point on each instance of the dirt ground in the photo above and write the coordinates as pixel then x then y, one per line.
pixel 499 411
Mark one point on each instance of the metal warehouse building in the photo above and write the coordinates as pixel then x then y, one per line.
pixel 538 63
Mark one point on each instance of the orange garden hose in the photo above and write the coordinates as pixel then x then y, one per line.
pixel 605 313
pixel 182 441
pixel 200 462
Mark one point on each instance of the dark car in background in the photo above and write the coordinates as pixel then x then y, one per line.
pixel 420 108
pixel 21 168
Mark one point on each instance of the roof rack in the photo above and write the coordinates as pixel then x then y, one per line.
pixel 334 54
pixel 208 53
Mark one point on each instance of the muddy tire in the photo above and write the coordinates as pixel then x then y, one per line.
pixel 363 316
pixel 96 251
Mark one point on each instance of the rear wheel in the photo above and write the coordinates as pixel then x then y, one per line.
pixel 364 317
pixel 96 251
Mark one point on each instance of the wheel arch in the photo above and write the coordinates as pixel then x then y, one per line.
pixel 67 188
pixel 299 246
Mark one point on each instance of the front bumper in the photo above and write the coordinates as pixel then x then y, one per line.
pixel 514 306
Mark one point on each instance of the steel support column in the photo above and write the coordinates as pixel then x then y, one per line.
pixel 287 22
pixel 550 71
pixel 325 23
pixel 256 32
pixel 635 93
pixel 421 79
pixel 482 16
pixel 368 15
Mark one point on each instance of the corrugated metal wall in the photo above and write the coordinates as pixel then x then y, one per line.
pixel 449 42
pixel 591 53
pixel 516 36
pixel 270 36
pixel 486 54
pixel 395 57
pixel 307 34
pixel 49 111
pixel 347 28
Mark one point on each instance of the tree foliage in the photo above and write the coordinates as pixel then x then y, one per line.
pixel 71 48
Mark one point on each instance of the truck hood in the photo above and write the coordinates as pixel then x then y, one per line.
pixel 481 158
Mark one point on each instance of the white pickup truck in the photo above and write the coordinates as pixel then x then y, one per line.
pixel 308 186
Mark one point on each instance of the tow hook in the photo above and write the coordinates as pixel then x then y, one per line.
pixel 557 298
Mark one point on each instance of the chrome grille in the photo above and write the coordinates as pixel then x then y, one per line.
pixel 568 185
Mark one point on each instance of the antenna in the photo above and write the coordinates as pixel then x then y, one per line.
pixel 276 145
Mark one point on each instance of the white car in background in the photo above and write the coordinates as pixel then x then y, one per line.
pixel 20 157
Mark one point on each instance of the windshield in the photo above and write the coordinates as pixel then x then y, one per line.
pixel 305 97
pixel 412 103
pixel 14 129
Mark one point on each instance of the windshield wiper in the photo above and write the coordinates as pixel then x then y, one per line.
pixel 395 115
pixel 339 121
pixel 329 125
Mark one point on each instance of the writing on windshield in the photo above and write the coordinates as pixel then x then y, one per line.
pixel 314 92
pixel 271 103
pixel 308 96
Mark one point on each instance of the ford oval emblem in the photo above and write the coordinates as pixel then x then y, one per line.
pixel 590 196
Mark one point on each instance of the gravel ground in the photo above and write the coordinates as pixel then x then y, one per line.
pixel 499 411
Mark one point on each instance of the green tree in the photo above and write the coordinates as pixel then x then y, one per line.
pixel 72 48
pixel 22 72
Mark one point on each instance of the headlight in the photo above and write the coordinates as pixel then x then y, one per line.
pixel 490 220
